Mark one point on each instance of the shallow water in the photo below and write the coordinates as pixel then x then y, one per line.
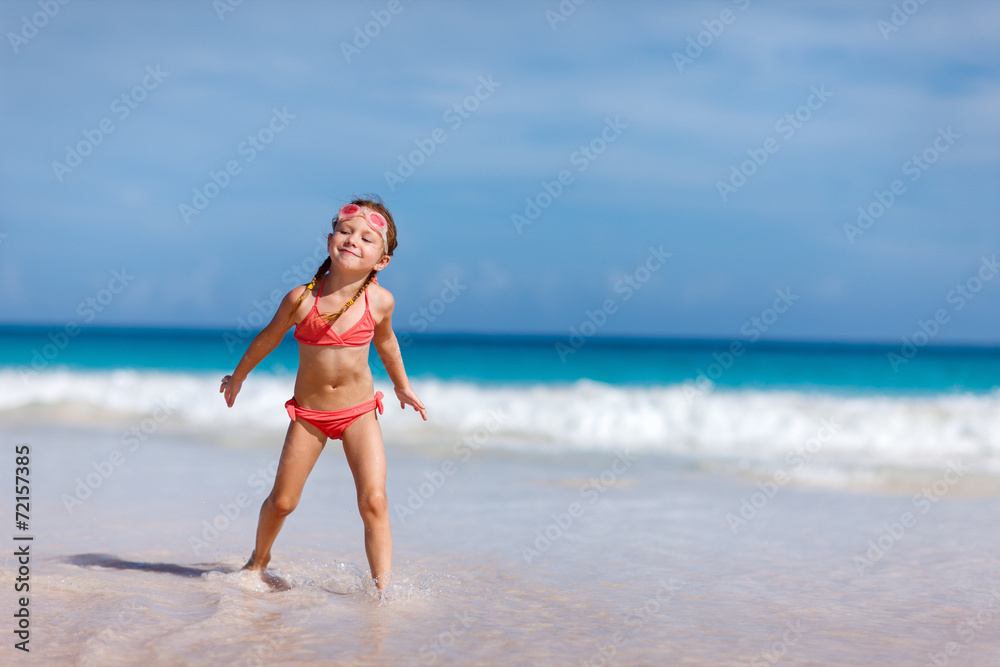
pixel 644 569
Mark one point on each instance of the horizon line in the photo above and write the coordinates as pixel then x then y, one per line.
pixel 680 341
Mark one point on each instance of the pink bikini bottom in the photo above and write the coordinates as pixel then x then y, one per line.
pixel 332 423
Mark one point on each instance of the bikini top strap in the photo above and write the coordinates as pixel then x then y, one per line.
pixel 319 293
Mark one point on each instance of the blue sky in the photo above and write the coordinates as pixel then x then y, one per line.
pixel 641 136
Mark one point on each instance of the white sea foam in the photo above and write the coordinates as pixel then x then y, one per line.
pixel 745 426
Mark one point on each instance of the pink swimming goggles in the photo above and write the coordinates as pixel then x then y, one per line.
pixel 374 219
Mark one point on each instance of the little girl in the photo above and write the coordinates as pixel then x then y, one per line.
pixel 334 387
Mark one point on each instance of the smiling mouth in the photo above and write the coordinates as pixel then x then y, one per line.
pixel 349 252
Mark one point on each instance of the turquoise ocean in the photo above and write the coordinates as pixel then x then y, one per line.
pixel 706 401
pixel 525 360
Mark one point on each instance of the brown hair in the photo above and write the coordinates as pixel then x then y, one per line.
pixel 375 204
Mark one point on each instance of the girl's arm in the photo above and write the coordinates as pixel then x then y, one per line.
pixel 262 345
pixel 388 351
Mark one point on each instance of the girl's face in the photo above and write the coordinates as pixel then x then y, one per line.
pixel 355 245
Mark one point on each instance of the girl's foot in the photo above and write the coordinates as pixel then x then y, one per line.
pixel 273 581
pixel 256 566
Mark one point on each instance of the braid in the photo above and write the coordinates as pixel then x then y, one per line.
pixel 332 317
pixel 319 274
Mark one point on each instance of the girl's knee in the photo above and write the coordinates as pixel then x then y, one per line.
pixel 374 506
pixel 283 505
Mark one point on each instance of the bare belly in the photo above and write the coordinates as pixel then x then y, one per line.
pixel 333 378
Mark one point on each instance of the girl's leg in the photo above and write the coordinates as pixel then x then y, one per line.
pixel 366 457
pixel 303 445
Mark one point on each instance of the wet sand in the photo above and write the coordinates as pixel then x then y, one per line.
pixel 509 558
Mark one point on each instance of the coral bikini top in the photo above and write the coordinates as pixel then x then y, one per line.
pixel 314 330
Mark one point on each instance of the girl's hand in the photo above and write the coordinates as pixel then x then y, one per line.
pixel 407 396
pixel 230 387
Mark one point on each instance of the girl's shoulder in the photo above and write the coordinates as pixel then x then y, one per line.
pixel 381 299
pixel 296 292
pixel 295 301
